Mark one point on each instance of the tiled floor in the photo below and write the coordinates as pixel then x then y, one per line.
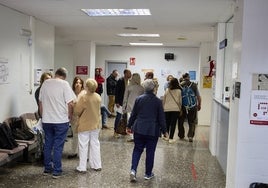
pixel 181 165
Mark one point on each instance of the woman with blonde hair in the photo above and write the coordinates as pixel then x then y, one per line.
pixel 87 109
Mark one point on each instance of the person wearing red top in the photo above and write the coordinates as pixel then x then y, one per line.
pixel 100 80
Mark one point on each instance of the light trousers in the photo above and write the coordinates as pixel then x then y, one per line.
pixel 111 103
pixel 89 148
pixel 74 148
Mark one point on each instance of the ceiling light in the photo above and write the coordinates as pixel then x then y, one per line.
pixel 181 38
pixel 146 44
pixel 137 35
pixel 117 12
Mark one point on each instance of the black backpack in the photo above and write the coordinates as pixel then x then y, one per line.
pixel 7 140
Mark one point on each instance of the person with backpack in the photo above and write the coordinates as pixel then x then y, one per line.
pixel 191 104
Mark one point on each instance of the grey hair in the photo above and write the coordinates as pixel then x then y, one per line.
pixel 149 85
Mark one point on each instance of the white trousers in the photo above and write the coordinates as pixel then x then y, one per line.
pixel 89 148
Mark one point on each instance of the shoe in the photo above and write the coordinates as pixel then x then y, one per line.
pixel 105 127
pixel 148 177
pixel 133 178
pixel 130 140
pixel 165 138
pixel 111 115
pixel 72 156
pixel 46 173
pixel 80 171
pixel 190 139
pixel 96 169
pixel 56 176
pixel 116 135
pixel 171 141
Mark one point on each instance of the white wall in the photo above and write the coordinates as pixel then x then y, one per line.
pixel 186 59
pixel 247 149
pixel 152 58
pixel 64 58
pixel 17 95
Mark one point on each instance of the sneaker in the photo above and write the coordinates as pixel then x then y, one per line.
pixel 46 173
pixel 116 135
pixel 165 138
pixel 190 139
pixel 96 169
pixel 56 176
pixel 80 171
pixel 133 176
pixel 148 177
pixel 171 141
pixel 130 140
pixel 105 127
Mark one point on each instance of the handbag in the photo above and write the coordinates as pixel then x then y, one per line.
pixel 122 125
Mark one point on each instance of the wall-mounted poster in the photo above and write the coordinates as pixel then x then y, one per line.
pixel 192 75
pixel 207 81
pixel 3 71
pixel 260 81
pixel 259 107
pixel 82 70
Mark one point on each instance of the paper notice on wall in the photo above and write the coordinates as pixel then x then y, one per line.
pixel 259 108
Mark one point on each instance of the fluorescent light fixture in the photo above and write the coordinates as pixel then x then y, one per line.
pixel 137 35
pixel 145 44
pixel 117 12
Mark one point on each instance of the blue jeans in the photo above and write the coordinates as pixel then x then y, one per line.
pixel 104 114
pixel 55 135
pixel 141 142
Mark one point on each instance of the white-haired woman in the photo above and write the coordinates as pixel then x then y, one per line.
pixel 147 121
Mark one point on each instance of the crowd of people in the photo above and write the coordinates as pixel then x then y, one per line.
pixel 148 117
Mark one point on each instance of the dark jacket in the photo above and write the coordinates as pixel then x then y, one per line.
pixel 111 85
pixel 119 91
pixel 147 116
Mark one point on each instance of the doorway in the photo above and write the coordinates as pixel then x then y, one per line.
pixel 120 66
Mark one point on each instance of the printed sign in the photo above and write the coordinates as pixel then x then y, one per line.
pixel 82 70
pixel 259 108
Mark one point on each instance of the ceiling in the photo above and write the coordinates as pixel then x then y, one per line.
pixel 172 19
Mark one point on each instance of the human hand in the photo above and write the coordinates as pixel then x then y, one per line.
pixel 198 107
pixel 129 131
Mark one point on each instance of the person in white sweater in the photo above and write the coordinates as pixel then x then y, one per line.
pixel 172 107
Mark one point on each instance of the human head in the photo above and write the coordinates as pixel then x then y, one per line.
pixel 91 85
pixel 45 76
pixel 136 79
pixel 169 77
pixel 149 75
pixel 173 84
pixel 186 76
pixel 78 81
pixel 98 71
pixel 61 73
pixel 115 73
pixel 149 85
pixel 127 73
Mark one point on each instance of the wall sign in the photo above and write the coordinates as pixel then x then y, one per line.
pixel 259 107
pixel 82 70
